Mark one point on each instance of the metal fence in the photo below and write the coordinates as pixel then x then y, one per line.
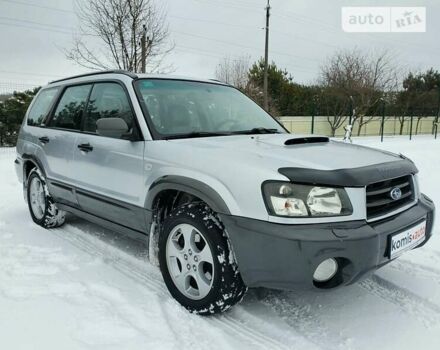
pixel 374 126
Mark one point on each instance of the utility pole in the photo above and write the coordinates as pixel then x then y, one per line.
pixel 144 49
pixel 438 113
pixel 266 59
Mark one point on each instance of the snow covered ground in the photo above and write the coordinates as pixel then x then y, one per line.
pixel 84 287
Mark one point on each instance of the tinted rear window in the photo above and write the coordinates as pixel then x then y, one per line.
pixel 41 107
pixel 68 113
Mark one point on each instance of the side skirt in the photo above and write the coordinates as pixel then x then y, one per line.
pixel 126 231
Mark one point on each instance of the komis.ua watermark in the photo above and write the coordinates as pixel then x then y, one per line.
pixel 384 19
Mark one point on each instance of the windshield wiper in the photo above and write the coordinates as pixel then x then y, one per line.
pixel 195 134
pixel 258 131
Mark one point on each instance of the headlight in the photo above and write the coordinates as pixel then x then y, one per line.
pixel 295 200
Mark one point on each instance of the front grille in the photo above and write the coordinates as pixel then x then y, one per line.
pixel 379 200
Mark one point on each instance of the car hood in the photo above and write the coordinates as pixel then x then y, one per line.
pixel 287 150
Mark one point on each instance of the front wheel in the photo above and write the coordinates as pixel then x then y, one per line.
pixel 197 263
pixel 43 210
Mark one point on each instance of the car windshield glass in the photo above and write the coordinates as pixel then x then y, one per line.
pixel 179 109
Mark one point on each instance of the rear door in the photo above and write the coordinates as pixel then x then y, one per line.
pixel 108 171
pixel 58 140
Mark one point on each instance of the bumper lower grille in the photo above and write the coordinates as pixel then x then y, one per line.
pixel 380 201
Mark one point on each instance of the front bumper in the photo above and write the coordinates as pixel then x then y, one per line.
pixel 285 256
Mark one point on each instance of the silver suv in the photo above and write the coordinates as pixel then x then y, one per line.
pixel 224 196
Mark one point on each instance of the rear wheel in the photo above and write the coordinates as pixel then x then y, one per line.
pixel 196 261
pixel 43 210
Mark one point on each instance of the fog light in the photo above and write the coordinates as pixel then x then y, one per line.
pixel 325 270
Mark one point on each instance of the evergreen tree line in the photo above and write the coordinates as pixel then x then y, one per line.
pixel 350 83
pixel 12 111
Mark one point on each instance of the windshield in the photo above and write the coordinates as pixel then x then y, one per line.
pixel 179 109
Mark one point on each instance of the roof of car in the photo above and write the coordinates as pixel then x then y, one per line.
pixel 138 76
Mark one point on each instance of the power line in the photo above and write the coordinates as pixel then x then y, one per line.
pixel 245 3
pixel 38 6
pixel 34 27
pixel 286 64
pixel 182 33
pixel 33 22
pixel 289 16
pixel 327 27
pixel 170 16
pixel 8 88
pixel 8 84
pixel 306 39
pixel 253 28
pixel 282 16
pixel 193 51
pixel 245 46
pixel 214 22
pixel 202 52
pixel 30 73
pixel 234 5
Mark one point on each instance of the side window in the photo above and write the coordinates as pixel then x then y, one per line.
pixel 69 111
pixel 41 106
pixel 108 100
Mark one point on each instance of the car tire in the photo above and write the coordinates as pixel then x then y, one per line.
pixel 197 262
pixel 41 205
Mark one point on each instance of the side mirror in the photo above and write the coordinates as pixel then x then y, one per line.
pixel 111 127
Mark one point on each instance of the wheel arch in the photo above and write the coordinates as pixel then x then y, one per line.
pixel 166 193
pixel 30 162
pixel 190 186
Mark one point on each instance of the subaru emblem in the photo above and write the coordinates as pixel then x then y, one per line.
pixel 396 193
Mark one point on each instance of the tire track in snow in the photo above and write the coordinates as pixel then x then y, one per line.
pixel 110 255
pixel 416 270
pixel 236 327
pixel 434 254
pixel 421 309
pixel 305 322
pixel 141 271
pixel 93 246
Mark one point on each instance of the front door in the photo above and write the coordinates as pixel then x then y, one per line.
pixel 108 171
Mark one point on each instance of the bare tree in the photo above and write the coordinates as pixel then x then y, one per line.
pixel 234 71
pixel 366 77
pixel 117 27
pixel 334 105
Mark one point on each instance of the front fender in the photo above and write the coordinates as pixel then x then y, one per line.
pixel 215 194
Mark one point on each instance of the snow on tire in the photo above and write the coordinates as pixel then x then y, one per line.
pixel 42 207
pixel 197 262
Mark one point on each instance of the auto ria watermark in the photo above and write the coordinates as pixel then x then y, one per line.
pixel 384 19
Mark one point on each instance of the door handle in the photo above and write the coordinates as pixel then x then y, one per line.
pixel 44 140
pixel 86 147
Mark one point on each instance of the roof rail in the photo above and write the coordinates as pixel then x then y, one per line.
pixel 220 82
pixel 115 71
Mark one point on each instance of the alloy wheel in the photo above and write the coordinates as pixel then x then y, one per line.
pixel 37 198
pixel 190 261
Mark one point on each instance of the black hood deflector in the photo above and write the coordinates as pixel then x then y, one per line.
pixel 303 140
pixel 354 177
